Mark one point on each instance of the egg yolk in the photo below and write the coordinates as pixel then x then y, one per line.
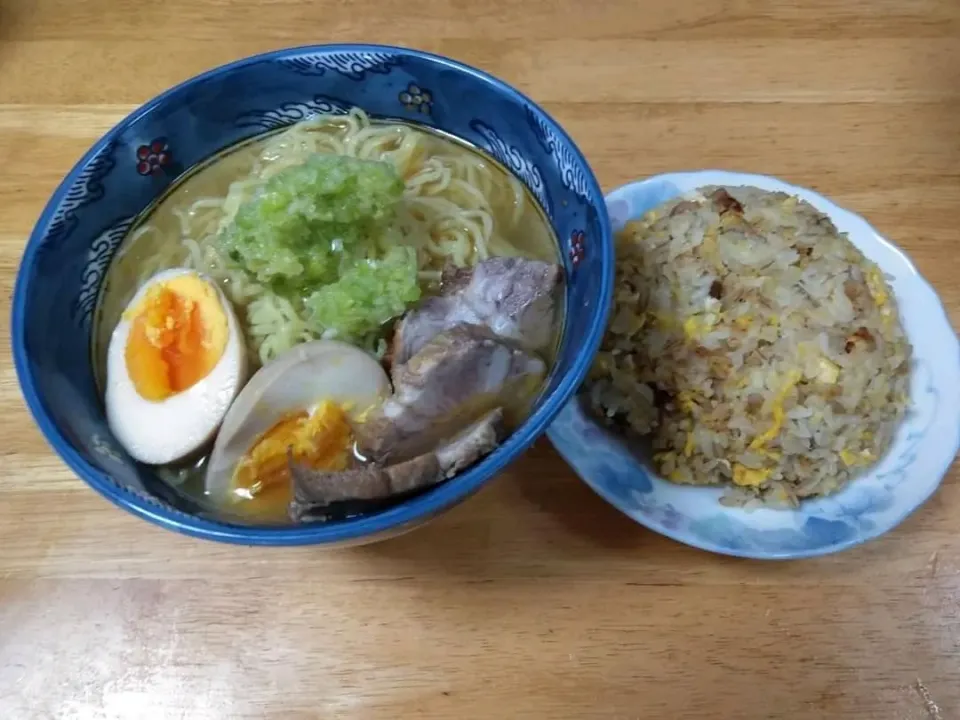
pixel 178 334
pixel 322 441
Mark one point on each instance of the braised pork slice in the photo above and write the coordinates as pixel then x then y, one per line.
pixel 314 491
pixel 514 297
pixel 460 374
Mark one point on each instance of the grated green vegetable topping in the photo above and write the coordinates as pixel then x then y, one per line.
pixel 367 295
pixel 311 233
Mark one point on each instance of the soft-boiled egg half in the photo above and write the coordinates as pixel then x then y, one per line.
pixel 301 405
pixel 176 361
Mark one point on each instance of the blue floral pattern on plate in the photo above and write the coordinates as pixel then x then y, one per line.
pixel 925 445
pixel 136 162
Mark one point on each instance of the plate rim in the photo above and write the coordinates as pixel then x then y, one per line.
pixel 830 208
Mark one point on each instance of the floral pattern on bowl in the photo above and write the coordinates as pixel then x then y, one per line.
pixel 925 445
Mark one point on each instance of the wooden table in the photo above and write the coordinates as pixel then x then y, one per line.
pixel 534 599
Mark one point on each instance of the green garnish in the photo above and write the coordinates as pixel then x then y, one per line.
pixel 367 295
pixel 315 233
pixel 308 221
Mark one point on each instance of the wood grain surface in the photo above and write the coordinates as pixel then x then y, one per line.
pixel 534 599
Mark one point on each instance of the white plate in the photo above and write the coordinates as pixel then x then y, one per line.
pixel 924 447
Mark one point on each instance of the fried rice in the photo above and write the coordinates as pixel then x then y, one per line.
pixel 754 347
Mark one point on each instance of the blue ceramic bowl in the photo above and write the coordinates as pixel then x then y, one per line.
pixel 72 245
pixel 925 445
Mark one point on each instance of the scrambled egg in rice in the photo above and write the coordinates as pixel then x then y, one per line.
pixel 753 345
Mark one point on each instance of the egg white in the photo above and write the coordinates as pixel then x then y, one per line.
pixel 160 432
pixel 299 379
